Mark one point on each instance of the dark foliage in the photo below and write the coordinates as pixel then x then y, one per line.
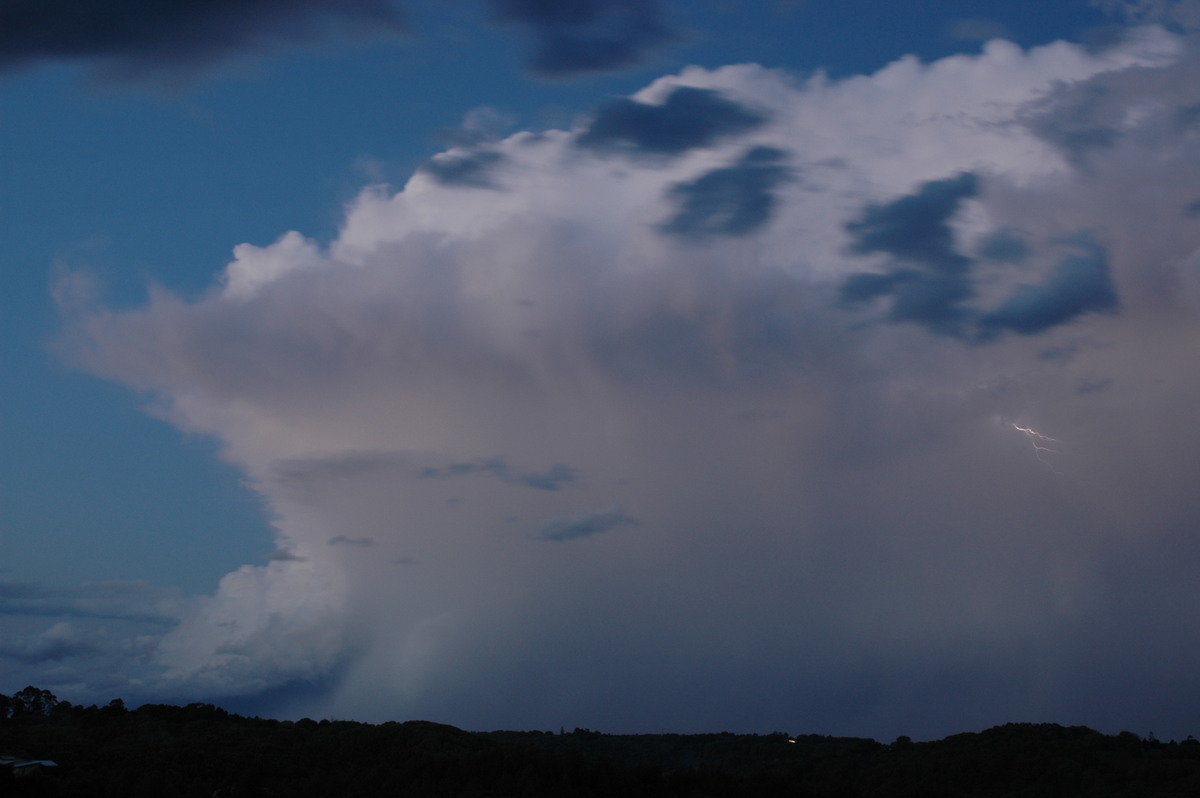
pixel 202 750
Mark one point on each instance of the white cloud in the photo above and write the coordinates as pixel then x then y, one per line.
pixel 814 486
pixel 254 266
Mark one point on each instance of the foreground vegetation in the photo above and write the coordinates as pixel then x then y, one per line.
pixel 201 750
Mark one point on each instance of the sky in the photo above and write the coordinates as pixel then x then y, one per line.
pixel 625 364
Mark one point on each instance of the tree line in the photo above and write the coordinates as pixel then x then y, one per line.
pixel 201 750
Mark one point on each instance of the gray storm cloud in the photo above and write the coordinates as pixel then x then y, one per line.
pixel 143 38
pixel 626 458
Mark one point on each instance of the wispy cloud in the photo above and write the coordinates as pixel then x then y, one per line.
pixel 585 524
pixel 556 477
pixel 133 601
pixel 61 641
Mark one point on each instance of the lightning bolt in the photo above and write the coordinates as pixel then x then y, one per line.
pixel 1039 441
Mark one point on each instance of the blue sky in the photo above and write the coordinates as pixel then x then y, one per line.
pixel 776 342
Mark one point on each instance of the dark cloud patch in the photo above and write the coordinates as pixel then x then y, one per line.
pixel 342 540
pixel 1093 385
pixel 930 279
pixel 687 119
pixel 1188 117
pixel 11 589
pixel 554 478
pixel 304 471
pixel 340 466
pixel 588 36
pixel 280 555
pixel 931 300
pixel 1081 283
pixel 1004 246
pixel 585 524
pixel 147 35
pixel 1073 122
pixel 465 169
pixel 1061 355
pixel 1192 209
pixel 732 201
pixel 916 227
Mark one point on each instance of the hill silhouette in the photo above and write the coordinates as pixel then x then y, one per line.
pixel 201 750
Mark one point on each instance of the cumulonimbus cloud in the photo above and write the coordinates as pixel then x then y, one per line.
pixel 653 321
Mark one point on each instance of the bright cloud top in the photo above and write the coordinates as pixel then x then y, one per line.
pixel 703 408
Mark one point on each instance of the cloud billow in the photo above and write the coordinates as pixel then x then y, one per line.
pixel 837 503
pixel 473 169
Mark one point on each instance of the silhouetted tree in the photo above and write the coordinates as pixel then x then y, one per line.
pixel 200 750
pixel 32 701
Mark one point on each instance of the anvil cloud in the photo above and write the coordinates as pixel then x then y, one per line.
pixel 648 424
